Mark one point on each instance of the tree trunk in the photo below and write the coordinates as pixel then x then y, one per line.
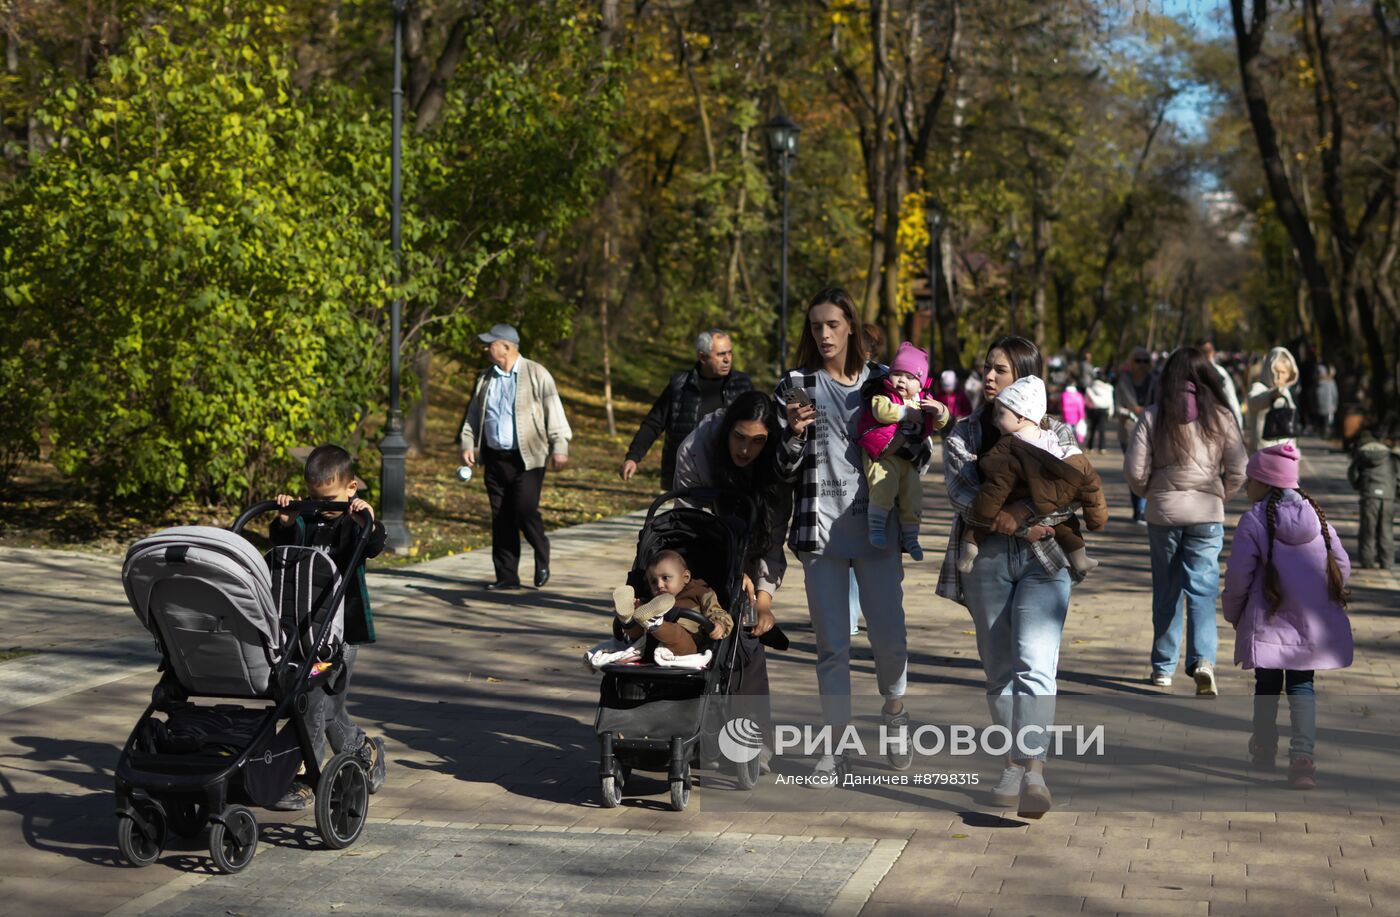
pixel 607 35
pixel 1249 40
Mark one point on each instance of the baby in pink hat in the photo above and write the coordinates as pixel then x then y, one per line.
pixel 899 414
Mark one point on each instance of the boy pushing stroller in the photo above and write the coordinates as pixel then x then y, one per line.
pixel 330 476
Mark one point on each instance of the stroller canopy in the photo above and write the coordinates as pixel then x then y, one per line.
pixel 206 594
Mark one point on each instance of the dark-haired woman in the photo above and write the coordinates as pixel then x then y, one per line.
pixel 1286 596
pixel 1018 590
pixel 1187 458
pixel 735 449
pixel 821 402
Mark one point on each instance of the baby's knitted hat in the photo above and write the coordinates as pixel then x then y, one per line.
pixel 912 360
pixel 1025 396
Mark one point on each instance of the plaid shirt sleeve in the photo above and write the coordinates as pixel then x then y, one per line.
pixel 797 459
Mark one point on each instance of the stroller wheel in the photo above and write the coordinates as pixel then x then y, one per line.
pixel 233 839
pixel 139 847
pixel 342 801
pixel 680 791
pixel 612 791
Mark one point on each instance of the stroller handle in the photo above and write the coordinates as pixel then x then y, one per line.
pixel 303 508
pixel 711 495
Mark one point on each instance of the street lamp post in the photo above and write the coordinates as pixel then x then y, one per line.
pixel 393 448
pixel 1013 254
pixel 934 215
pixel 782 149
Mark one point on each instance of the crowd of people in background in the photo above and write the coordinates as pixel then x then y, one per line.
pixel 1195 427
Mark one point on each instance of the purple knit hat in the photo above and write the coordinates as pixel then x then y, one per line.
pixel 1276 466
pixel 912 360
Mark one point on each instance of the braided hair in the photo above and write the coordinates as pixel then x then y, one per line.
pixel 1273 591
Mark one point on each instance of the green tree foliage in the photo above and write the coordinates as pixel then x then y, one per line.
pixel 191 270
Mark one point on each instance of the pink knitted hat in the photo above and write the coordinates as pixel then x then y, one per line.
pixel 1276 466
pixel 912 360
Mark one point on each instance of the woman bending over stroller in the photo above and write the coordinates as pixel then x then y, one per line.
pixel 330 476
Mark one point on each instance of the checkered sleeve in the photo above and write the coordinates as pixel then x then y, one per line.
pixel 798 458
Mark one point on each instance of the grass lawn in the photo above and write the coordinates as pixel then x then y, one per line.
pixel 445 515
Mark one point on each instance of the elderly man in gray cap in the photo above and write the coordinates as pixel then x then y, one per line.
pixel 515 424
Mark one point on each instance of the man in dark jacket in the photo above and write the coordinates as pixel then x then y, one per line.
pixel 691 396
pixel 1373 474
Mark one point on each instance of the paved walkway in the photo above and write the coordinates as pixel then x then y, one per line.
pixel 491 801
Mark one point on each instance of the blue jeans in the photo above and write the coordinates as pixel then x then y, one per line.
pixel 1185 561
pixel 1019 612
pixel 1302 710
pixel 880 580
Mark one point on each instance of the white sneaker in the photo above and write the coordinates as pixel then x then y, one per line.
pixel 828 771
pixel 1035 797
pixel 1205 680
pixel 1161 679
pixel 1007 792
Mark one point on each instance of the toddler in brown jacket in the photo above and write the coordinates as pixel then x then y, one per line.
pixel 673 587
pixel 1031 463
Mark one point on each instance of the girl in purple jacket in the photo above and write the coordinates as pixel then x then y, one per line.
pixel 1286 596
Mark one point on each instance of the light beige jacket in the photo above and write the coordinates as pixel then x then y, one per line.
pixel 1190 489
pixel 541 429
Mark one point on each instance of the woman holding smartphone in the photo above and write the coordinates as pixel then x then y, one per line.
pixel 821 402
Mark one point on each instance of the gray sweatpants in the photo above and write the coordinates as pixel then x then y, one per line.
pixel 1377 532
pixel 880 582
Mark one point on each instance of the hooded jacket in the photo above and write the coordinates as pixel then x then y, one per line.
pixel 1374 470
pixel 1309 631
pixel 1263 397
pixel 1189 489
pixel 1014 469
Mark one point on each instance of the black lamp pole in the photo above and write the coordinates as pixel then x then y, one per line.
pixel 1013 254
pixel 782 145
pixel 393 447
pixel 934 216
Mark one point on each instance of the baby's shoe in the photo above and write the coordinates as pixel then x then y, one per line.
pixel 968 557
pixel 909 541
pixel 624 598
pixel 1081 562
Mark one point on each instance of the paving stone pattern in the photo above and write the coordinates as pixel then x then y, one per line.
pixel 405 870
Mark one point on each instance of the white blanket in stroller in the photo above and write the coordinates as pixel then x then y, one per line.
pixel 615 651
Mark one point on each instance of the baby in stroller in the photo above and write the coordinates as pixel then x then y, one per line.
pixel 674 589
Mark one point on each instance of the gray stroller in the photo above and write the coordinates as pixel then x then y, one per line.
pixel 231 624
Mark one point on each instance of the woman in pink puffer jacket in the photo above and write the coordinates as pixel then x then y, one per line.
pixel 1285 595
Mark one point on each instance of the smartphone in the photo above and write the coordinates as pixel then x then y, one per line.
pixel 802 399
